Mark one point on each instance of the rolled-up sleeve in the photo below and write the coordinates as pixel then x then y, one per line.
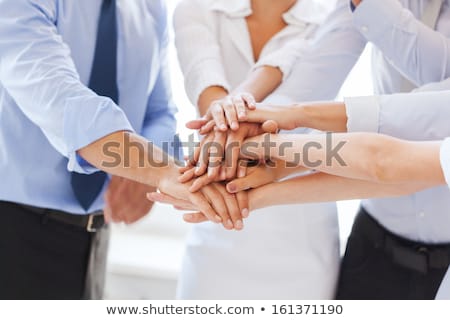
pixel 418 51
pixel 198 49
pixel 284 58
pixel 420 116
pixel 326 60
pixel 37 71
pixel 362 114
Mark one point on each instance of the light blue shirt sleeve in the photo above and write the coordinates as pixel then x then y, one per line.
pixel 425 54
pixel 37 71
pixel 159 122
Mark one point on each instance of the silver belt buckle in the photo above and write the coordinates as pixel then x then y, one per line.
pixel 90 224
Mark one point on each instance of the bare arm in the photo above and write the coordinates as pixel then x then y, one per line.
pixel 324 116
pixel 319 187
pixel 365 156
pixel 322 187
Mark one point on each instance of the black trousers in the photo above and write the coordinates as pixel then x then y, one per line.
pixel 41 258
pixel 369 270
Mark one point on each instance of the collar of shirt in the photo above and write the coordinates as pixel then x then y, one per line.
pixel 304 11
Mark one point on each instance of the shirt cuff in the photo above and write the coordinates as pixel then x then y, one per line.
pixel 87 122
pixel 445 160
pixel 373 18
pixel 363 114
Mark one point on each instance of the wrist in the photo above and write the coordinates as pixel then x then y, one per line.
pixel 300 115
pixel 164 175
pixel 356 2
pixel 260 198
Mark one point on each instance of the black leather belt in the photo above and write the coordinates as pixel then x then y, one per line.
pixel 416 256
pixel 90 222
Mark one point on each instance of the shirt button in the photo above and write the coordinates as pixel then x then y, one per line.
pixel 364 29
pixel 422 214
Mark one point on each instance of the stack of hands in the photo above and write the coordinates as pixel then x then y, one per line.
pixel 230 161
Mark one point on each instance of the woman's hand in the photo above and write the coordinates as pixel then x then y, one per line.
pixel 226 113
pixel 231 208
pixel 261 174
pixel 218 154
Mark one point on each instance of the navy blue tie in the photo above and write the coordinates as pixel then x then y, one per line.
pixel 103 81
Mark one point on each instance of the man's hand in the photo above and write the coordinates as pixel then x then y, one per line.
pixel 125 201
pixel 356 2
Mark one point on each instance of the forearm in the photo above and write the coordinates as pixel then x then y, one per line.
pixel 285 169
pixel 324 116
pixel 365 156
pixel 208 96
pixel 130 156
pixel 261 82
pixel 321 187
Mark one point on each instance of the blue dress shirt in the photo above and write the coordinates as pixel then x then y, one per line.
pixel 47 112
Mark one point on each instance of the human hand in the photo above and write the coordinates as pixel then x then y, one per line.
pixel 258 175
pixel 232 208
pixel 227 112
pixel 218 155
pixel 125 201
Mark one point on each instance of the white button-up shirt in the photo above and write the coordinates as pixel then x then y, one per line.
pixel 214 49
pixel 422 55
pixel 226 56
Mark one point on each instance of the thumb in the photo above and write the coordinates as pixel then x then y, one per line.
pixel 241 184
pixel 196 124
pixel 197 217
pixel 270 126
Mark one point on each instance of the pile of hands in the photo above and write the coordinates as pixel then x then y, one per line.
pixel 218 176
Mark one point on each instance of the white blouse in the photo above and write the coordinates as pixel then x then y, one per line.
pixel 292 258
pixel 226 55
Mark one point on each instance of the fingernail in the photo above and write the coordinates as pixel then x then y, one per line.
pixel 188 216
pixel 242 114
pixel 218 219
pixel 239 225
pixel 234 125
pixel 231 188
pixel 229 224
pixel 245 213
pixel 223 127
